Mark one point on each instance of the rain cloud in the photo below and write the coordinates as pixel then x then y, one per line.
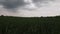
pixel 12 4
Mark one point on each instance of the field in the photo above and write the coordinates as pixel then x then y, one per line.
pixel 32 25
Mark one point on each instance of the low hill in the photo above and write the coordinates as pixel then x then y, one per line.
pixel 31 25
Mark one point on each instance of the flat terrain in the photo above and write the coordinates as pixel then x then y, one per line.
pixel 32 25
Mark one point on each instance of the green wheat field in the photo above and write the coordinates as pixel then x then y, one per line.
pixel 31 25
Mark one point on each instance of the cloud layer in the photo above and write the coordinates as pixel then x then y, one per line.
pixel 30 8
pixel 11 4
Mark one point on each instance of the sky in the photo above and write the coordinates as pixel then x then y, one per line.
pixel 30 8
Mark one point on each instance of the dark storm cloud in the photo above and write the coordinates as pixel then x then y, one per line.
pixel 12 4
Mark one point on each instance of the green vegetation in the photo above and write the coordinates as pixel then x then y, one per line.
pixel 33 25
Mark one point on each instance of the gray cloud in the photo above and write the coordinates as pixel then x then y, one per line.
pixel 39 3
pixel 12 4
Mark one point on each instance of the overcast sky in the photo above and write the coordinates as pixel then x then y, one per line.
pixel 30 8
